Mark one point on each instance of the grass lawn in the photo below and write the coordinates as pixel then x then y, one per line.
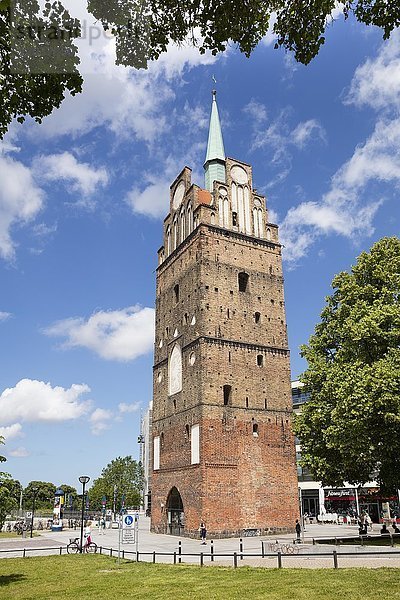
pixel 86 577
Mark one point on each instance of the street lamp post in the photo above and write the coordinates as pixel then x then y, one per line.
pixel 34 490
pixel 84 479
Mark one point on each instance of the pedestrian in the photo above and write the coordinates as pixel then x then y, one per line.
pixel 203 532
pixel 384 529
pixel 298 530
pixel 88 535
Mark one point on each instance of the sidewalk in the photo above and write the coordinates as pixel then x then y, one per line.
pixel 150 542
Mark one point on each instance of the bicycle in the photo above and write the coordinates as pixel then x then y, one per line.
pixel 74 547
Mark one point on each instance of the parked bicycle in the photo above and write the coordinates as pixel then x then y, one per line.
pixel 74 546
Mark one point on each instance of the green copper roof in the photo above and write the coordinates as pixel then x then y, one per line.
pixel 215 146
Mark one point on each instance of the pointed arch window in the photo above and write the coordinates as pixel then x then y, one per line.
pixel 189 219
pixel 168 240
pixel 175 232
pixel 182 224
pixel 175 371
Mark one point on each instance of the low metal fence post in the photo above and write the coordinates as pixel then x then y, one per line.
pixel 174 558
pixel 24 553
pixel 60 550
pixel 279 559
pixel 137 556
pixel 335 561
pixel 154 556
pixel 241 549
pixel 111 551
pixel 180 551
pixel 201 559
pixel 235 559
pixel 123 554
pixel 262 550
pixel 212 550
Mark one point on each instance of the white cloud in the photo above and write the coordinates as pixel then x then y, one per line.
pixel 256 111
pixel 306 131
pixel 4 316
pixel 100 420
pixel 20 201
pixel 376 82
pixel 20 452
pixel 127 101
pixel 128 408
pixel 153 201
pixel 121 335
pixel 11 431
pixel 82 177
pixel 343 210
pixel 35 401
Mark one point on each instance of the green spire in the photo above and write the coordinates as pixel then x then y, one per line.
pixel 215 159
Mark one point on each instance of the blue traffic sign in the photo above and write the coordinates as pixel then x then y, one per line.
pixel 128 520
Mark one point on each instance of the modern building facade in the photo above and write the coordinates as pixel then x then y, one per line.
pixel 347 500
pixel 223 448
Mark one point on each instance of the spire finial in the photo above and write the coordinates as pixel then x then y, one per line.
pixel 215 158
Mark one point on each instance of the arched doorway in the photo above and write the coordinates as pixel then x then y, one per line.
pixel 175 513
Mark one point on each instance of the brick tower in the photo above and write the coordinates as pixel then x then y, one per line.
pixel 223 448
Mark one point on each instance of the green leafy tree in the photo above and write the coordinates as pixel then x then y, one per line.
pixel 350 428
pixel 38 57
pixel 9 496
pixel 144 28
pixel 124 473
pixel 44 495
pixel 38 62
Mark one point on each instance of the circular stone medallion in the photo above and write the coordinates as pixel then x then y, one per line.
pixel 239 175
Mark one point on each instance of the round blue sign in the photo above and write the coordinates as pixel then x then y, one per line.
pixel 128 519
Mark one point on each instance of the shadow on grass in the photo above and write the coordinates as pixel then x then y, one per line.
pixel 13 578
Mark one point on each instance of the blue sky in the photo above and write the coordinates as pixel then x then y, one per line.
pixel 83 196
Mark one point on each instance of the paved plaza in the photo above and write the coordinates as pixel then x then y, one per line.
pixel 148 542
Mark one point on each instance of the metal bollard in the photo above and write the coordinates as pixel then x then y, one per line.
pixel 212 550
pixel 262 550
pixel 24 553
pixel 335 561
pixel 137 556
pixel 180 551
pixel 111 551
pixel 279 560
pixel 174 558
pixel 235 560
pixel 201 559
pixel 60 550
pixel 154 556
pixel 241 549
pixel 123 554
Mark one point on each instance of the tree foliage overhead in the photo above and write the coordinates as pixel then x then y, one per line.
pixel 38 62
pixel 38 57
pixel 126 475
pixel 350 429
pixel 144 28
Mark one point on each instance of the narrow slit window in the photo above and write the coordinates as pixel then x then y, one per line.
pixel 247 402
pixel 260 360
pixel 257 317
pixel 176 293
pixel 227 394
pixel 243 280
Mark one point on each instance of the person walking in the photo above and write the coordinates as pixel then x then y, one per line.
pixel 88 535
pixel 298 531
pixel 203 532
